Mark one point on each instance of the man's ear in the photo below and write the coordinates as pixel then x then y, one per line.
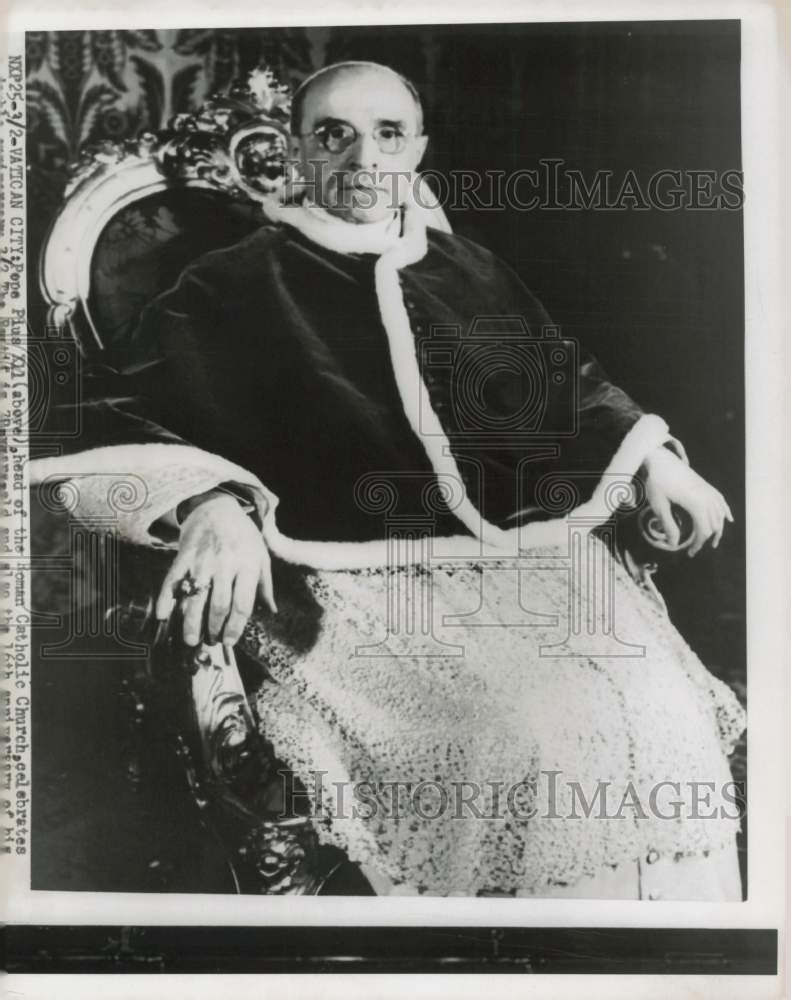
pixel 421 142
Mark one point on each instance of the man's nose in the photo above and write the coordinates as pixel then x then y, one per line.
pixel 364 153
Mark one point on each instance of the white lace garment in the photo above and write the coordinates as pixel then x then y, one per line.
pixel 477 706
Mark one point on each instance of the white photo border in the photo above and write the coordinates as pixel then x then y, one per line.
pixel 767 610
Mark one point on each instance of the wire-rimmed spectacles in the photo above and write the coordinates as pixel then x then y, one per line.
pixel 337 136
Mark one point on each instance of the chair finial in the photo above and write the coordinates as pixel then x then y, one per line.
pixel 262 89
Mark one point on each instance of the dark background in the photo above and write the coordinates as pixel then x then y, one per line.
pixel 658 296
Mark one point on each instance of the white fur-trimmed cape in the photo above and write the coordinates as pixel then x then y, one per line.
pixel 172 473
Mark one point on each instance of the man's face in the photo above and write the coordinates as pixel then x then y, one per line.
pixel 359 145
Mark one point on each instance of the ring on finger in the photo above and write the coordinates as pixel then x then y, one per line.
pixel 189 586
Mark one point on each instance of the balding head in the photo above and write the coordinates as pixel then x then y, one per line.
pixel 352 67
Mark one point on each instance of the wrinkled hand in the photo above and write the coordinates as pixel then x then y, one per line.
pixel 669 481
pixel 222 549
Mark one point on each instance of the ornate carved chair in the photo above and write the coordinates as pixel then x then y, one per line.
pixel 135 214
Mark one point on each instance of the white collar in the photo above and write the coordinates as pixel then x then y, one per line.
pixel 375 234
pixel 344 237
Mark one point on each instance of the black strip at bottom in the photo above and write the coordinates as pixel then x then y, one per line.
pixel 652 951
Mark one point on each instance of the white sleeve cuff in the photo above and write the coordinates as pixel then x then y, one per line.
pixel 130 487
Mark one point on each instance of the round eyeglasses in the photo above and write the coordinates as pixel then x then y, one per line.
pixel 336 137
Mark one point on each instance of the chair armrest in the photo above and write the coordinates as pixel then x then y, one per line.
pixel 638 541
pixel 236 781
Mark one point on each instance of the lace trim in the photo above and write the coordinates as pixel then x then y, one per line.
pixel 479 698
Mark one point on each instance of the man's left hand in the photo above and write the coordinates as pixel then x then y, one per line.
pixel 669 482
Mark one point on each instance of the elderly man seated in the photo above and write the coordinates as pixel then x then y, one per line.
pixel 381 405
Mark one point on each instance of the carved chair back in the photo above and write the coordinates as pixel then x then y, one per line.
pixel 139 211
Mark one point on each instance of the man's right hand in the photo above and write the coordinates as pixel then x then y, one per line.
pixel 222 551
